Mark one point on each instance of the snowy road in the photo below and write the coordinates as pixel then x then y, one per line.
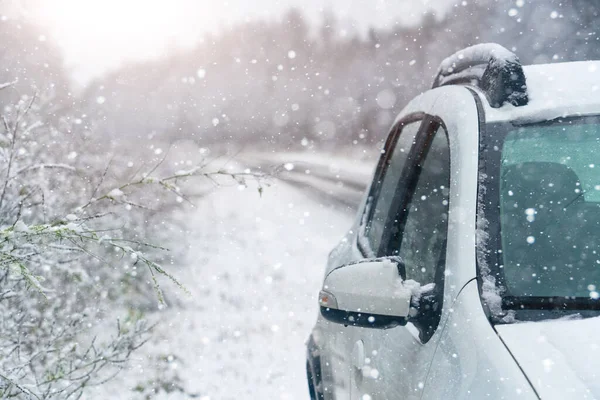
pixel 255 268
pixel 339 182
pixel 256 292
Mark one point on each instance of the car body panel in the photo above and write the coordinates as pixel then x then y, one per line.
pixel 336 342
pixel 399 366
pixel 560 357
pixel 471 361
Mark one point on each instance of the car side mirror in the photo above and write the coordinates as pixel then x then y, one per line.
pixel 369 293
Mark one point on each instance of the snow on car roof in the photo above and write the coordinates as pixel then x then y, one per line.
pixel 555 90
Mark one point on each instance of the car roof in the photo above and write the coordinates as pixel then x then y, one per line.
pixel 554 91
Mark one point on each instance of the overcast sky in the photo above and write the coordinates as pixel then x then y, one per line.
pixel 99 35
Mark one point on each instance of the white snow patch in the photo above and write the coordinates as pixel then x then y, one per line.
pixel 471 56
pixel 115 193
pixel 417 291
pixel 555 90
pixel 254 273
pixel 20 226
pixel 491 293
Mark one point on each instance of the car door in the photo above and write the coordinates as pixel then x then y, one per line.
pixel 338 343
pixel 408 217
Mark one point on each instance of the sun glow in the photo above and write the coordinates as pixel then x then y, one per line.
pixel 99 35
pixel 109 32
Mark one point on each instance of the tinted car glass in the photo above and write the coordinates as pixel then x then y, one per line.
pixel 387 187
pixel 424 235
pixel 550 210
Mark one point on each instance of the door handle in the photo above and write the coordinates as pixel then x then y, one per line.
pixel 358 355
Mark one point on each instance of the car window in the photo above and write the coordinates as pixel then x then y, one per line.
pixel 387 186
pixel 550 209
pixel 423 236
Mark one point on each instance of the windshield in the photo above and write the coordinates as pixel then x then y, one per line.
pixel 543 204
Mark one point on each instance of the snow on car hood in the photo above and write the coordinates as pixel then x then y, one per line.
pixel 561 358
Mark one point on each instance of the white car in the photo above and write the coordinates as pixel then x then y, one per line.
pixel 472 270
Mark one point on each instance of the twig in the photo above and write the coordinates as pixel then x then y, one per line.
pixel 99 183
pixel 8 84
pixel 159 163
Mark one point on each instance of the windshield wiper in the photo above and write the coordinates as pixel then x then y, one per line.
pixel 549 303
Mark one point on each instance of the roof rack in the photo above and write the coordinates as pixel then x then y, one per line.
pixel 489 66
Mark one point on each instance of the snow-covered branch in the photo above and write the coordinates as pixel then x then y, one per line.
pixel 69 255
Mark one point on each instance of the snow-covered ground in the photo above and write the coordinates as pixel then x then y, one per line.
pixel 254 270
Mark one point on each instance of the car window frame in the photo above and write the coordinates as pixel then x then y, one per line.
pixel 426 134
pixel 380 170
pixel 411 172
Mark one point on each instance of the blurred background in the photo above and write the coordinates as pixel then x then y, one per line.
pixel 286 102
pixel 289 75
